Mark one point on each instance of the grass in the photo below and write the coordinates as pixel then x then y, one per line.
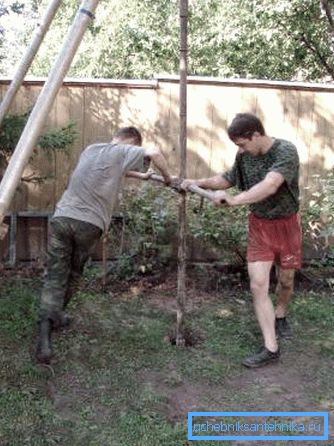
pixel 117 382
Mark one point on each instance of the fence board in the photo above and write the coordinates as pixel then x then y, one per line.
pixel 302 113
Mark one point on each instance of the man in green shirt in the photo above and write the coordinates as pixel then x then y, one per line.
pixel 266 170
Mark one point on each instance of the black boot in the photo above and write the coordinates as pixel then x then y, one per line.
pixel 44 346
pixel 62 322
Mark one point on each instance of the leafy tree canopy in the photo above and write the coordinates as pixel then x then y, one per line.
pixel 268 39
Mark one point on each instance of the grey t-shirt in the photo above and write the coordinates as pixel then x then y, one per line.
pixel 94 186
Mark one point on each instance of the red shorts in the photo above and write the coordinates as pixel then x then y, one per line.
pixel 277 240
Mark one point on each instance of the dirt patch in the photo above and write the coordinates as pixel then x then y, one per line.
pixel 279 387
pixel 191 337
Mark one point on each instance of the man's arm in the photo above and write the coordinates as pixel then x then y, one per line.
pixel 159 161
pixel 140 175
pixel 259 192
pixel 3 230
pixel 217 182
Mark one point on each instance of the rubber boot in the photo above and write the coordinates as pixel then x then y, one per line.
pixel 44 346
pixel 65 320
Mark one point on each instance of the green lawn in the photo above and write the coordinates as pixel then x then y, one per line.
pixel 115 381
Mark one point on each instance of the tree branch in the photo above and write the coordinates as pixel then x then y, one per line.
pixel 318 54
pixel 328 12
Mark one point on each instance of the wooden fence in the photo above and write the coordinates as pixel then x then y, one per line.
pixel 302 113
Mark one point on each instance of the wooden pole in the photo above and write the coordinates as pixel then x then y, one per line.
pixel 43 104
pixel 181 272
pixel 28 57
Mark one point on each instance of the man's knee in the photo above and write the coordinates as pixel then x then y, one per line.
pixel 51 304
pixel 258 286
pixel 286 280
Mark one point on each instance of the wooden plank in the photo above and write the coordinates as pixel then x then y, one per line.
pixel 291 104
pixel 324 121
pixel 165 114
pixel 100 115
pixel 226 103
pixel 199 131
pixel 62 164
pixel 270 110
pixel 249 99
pixel 304 117
pixel 305 139
pixel 167 127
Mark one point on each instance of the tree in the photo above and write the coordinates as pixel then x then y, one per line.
pixel 268 39
pixel 6 8
pixel 16 16
pixel 285 39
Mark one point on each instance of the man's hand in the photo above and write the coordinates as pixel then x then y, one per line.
pixel 147 175
pixel 3 230
pixel 222 198
pixel 168 179
pixel 186 183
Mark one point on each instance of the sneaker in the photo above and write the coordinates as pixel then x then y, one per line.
pixel 263 357
pixel 283 329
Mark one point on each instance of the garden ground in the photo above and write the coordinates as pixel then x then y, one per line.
pixel 116 380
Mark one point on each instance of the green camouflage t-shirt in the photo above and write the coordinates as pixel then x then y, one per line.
pixel 249 170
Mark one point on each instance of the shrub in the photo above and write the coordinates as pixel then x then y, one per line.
pixel 145 238
pixel 318 222
pixel 52 140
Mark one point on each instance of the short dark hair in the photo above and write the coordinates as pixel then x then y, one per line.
pixel 130 132
pixel 244 125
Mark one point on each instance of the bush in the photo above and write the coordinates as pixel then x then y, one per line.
pixel 144 238
pixel 224 229
pixel 52 140
pixel 145 233
pixel 318 222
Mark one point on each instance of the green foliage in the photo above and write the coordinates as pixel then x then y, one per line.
pixel 50 142
pixel 59 139
pixel 53 139
pixel 318 220
pixel 147 232
pixel 123 268
pixel 10 132
pixel 285 39
pixel 223 228
pixel 14 10
pixel 147 239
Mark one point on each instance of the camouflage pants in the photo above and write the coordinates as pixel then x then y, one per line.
pixel 70 244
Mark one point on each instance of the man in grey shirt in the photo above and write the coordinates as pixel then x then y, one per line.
pixel 83 213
